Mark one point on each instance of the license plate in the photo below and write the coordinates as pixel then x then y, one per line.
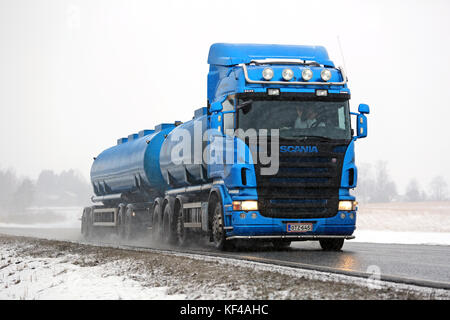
pixel 299 227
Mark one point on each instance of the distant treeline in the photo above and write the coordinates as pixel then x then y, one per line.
pixel 68 188
pixel 376 185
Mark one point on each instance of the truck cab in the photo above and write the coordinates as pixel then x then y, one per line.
pixel 290 107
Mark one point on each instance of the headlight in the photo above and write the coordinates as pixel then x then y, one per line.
pixel 307 74
pixel 347 205
pixel 267 74
pixel 248 205
pixel 325 75
pixel 287 74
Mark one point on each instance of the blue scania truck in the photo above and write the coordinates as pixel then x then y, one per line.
pixel 287 175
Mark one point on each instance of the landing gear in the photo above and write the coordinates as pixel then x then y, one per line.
pixel 331 244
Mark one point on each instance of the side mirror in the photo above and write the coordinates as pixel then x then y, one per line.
pixel 363 108
pixel 361 126
pixel 246 106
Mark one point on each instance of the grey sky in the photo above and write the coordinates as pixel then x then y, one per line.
pixel 77 75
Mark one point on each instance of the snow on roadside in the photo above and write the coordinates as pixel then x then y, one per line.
pixel 44 269
pixel 59 278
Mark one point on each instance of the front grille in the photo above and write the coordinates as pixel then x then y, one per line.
pixel 306 185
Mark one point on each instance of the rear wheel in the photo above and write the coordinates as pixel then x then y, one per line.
pixel 85 219
pixel 128 230
pixel 169 229
pixel 181 231
pixel 157 223
pixel 331 244
pixel 121 223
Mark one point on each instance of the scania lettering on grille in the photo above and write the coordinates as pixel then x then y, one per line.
pixel 305 149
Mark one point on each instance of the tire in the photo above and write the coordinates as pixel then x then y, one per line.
pixel 281 244
pixel 128 230
pixel 217 228
pixel 121 223
pixel 181 231
pixel 84 223
pixel 331 244
pixel 169 235
pixel 157 223
pixel 87 223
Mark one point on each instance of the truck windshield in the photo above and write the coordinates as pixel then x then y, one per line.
pixel 298 119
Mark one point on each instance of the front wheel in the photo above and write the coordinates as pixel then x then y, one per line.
pixel 218 232
pixel 331 244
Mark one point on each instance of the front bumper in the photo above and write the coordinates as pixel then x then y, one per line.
pixel 342 225
pixel 293 237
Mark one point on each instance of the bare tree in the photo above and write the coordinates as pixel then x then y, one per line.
pixel 24 195
pixel 413 192
pixel 366 183
pixel 385 190
pixel 438 188
pixel 8 184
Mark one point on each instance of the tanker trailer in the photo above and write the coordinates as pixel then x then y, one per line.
pixel 125 178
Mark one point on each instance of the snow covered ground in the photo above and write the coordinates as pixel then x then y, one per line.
pixel 404 223
pixel 44 269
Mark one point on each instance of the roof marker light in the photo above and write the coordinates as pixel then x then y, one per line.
pixel 287 74
pixel 325 75
pixel 273 92
pixel 321 92
pixel 307 74
pixel 267 74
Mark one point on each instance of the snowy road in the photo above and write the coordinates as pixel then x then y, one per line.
pixel 414 264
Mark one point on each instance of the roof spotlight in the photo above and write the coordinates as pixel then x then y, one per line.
pixel 287 74
pixel 325 75
pixel 307 74
pixel 267 74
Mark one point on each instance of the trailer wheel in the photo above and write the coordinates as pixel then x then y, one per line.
pixel 331 244
pixel 88 227
pixel 181 232
pixel 84 223
pixel 157 223
pixel 168 231
pixel 128 225
pixel 121 223
pixel 218 232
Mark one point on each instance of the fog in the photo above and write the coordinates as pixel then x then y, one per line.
pixel 77 75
